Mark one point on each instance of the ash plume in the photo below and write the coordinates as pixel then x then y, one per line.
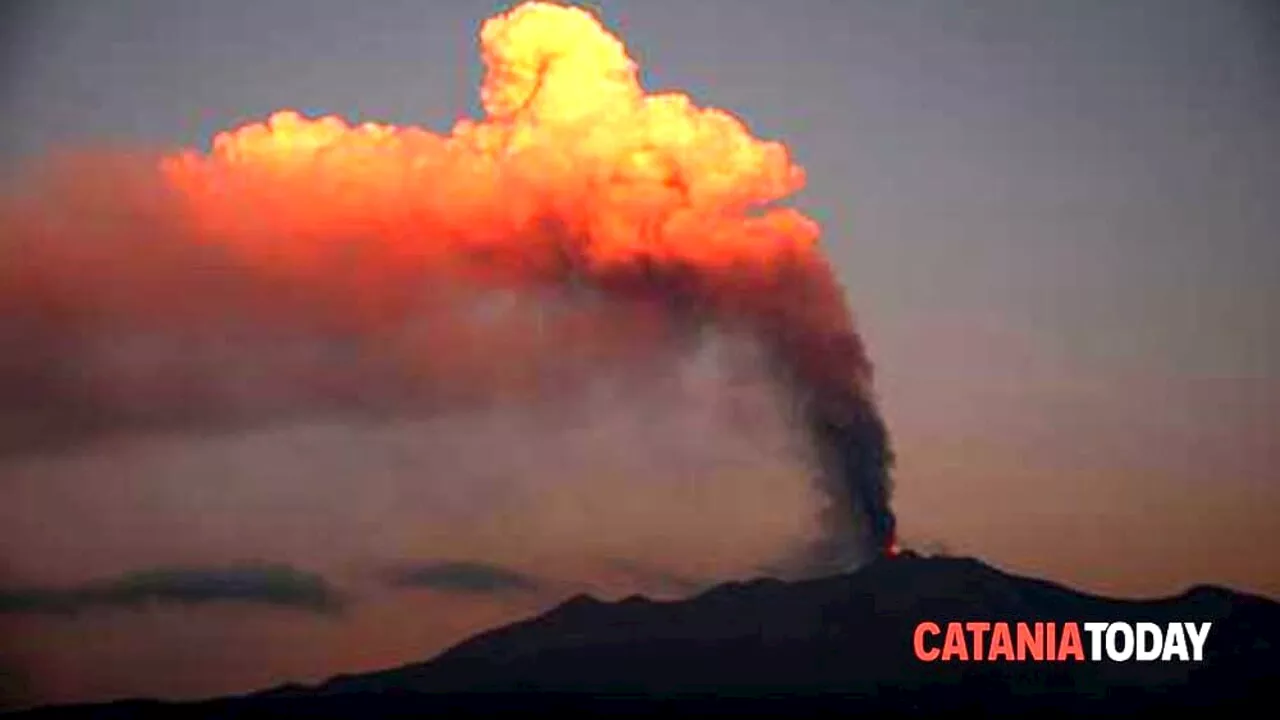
pixel 302 268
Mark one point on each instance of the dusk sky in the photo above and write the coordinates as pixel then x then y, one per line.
pixel 1056 224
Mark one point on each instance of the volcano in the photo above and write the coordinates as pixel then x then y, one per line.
pixel 841 643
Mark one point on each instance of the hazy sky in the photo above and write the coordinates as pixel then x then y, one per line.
pixel 1057 223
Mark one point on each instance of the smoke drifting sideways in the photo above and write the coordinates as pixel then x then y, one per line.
pixel 583 234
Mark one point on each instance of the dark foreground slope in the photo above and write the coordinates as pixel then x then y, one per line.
pixel 842 643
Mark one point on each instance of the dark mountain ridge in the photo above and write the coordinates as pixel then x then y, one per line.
pixel 840 643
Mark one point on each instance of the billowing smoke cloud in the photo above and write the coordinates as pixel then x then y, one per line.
pixel 575 255
pixel 578 341
pixel 256 584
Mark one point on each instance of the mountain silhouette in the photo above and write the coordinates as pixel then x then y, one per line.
pixel 841 644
